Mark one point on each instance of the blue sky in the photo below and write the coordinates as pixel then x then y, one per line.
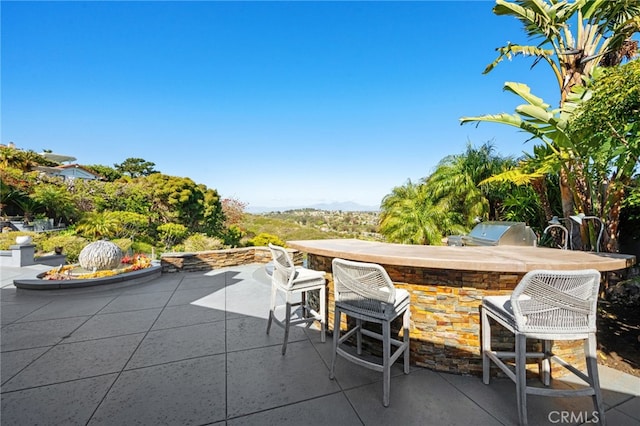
pixel 273 103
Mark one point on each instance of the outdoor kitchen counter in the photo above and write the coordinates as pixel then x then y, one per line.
pixel 447 284
pixel 467 258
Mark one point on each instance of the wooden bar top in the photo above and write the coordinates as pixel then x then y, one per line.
pixel 486 258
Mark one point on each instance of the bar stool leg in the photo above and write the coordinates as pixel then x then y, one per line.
pixel 287 325
pixel 337 317
pixel 386 365
pixel 272 307
pixel 545 364
pixel 359 336
pixel 323 314
pixel 521 377
pixel 592 370
pixel 406 324
pixel 486 347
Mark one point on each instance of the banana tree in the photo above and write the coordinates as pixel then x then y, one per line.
pixel 602 35
pixel 562 157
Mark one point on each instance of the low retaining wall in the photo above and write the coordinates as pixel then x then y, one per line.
pixel 215 259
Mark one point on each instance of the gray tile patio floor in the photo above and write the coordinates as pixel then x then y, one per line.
pixel 191 349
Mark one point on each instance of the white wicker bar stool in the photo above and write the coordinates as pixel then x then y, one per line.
pixel 365 292
pixel 292 280
pixel 546 305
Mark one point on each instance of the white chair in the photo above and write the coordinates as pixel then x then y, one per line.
pixel 292 280
pixel 545 305
pixel 365 292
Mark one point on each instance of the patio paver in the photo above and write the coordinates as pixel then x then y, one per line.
pixel 191 348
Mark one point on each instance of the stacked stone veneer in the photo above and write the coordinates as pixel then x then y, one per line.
pixel 445 317
pixel 215 259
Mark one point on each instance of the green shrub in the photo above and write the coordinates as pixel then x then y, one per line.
pixel 232 236
pixel 200 242
pixel 172 233
pixel 71 245
pixel 8 239
pixel 124 244
pixel 263 239
pixel 142 247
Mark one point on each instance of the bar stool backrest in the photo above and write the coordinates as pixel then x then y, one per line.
pixel 365 285
pixel 284 271
pixel 556 302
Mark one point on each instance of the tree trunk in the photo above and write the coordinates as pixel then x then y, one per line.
pixel 566 195
pixel 610 237
pixel 540 188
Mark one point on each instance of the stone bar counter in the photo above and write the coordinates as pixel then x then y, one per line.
pixel 447 284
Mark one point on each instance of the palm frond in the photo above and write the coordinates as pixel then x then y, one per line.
pixel 515 176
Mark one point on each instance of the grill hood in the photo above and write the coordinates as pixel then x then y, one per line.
pixel 496 234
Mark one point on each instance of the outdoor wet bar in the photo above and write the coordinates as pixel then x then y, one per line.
pixel 447 284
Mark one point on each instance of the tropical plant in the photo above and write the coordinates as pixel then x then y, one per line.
pixel 607 123
pixel 458 183
pixel 28 205
pixel 603 31
pixel 98 225
pixel 56 201
pixel 559 155
pixel 409 216
pixel 11 157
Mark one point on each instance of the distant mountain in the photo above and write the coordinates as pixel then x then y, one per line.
pixel 346 206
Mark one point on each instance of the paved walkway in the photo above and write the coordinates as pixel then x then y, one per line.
pixel 192 349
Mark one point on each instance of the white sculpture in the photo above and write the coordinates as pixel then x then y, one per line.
pixel 100 255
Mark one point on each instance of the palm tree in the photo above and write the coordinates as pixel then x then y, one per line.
pixel 98 225
pixel 458 185
pixel 409 216
pixel 56 201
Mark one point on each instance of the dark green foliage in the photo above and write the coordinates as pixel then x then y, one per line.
pixel 136 167
pixel 172 233
pixel 232 236
pixel 56 202
pixel 108 173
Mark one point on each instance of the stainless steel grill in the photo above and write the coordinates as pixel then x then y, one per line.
pixel 496 234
